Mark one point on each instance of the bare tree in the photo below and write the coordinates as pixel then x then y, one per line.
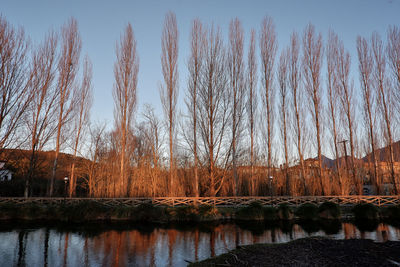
pixel 152 140
pixel 312 64
pixel 284 112
pixel 345 92
pixel 332 84
pixel 385 98
pixel 169 91
pixel 365 67
pixel 252 102
pixel 194 67
pixel 296 92
pixel 83 101
pixel 126 70
pixel 68 66
pixel 393 54
pixel 40 121
pixel 95 175
pixel 393 51
pixel 236 84
pixel 213 104
pixel 15 89
pixel 268 47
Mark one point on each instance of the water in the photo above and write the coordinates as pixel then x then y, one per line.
pixel 174 245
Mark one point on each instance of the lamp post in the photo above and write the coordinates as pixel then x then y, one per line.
pixel 270 178
pixel 65 186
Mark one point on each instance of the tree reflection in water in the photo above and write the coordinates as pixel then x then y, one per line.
pixel 173 245
pixel 22 235
pixel 46 247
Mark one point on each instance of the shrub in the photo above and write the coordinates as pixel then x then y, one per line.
pixel 184 214
pixel 52 212
pixel 228 213
pixel 365 212
pixel 310 226
pixel 81 211
pixel 330 227
pixel 6 207
pixel 254 211
pixel 329 210
pixel 285 212
pixel 307 211
pixel 22 211
pixel 32 211
pixel 208 212
pixel 123 212
pixel 270 214
pixel 366 225
pixel 392 212
pixel 148 213
pixel 8 210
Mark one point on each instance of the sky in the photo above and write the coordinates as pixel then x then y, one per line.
pixel 101 24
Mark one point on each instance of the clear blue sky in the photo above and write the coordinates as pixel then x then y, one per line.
pixel 102 22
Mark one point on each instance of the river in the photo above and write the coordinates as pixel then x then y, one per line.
pixel 99 244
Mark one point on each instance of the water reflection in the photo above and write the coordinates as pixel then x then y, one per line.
pixel 21 247
pixel 46 247
pixel 127 245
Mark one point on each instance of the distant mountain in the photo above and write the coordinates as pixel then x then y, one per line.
pixel 331 163
pixel 382 153
pixel 326 162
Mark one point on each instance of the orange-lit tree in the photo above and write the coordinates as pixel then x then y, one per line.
pixel 169 91
pixel 126 70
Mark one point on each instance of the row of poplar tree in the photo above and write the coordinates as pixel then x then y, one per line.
pixel 246 113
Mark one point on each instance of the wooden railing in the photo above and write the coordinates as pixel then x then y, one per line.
pixel 214 201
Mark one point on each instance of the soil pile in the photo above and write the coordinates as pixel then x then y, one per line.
pixel 312 252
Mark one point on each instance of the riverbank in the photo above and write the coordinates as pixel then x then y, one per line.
pixel 311 252
pixel 95 211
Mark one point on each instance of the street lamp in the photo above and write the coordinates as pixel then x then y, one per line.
pixel 65 186
pixel 270 178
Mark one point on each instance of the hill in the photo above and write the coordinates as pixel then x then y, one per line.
pixel 382 153
pixel 326 162
pixel 18 161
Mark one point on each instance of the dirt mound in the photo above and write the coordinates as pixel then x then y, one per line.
pixel 312 252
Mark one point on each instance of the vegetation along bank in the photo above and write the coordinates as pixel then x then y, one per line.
pixel 90 210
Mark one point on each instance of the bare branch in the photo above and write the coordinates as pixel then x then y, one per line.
pixel 126 70
pixel 169 92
